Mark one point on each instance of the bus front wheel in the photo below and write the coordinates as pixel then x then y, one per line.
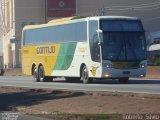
pixel 85 76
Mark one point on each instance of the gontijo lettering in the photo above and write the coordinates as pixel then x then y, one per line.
pixel 46 50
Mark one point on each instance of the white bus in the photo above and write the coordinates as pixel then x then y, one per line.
pixel 154 50
pixel 102 47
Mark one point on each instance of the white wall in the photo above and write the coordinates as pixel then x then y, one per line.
pixel 1 26
pixel 1 47
pixel 23 12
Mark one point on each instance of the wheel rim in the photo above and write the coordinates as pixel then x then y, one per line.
pixel 35 75
pixel 85 74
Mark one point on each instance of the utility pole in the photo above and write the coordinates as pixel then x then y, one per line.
pixel 102 11
pixel 45 11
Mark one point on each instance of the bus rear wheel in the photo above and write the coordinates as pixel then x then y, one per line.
pixel 41 73
pixel 35 74
pixel 42 77
pixel 85 76
pixel 123 80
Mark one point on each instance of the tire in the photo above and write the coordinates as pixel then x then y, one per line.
pixel 42 77
pixel 84 75
pixel 123 80
pixel 35 74
pixel 41 74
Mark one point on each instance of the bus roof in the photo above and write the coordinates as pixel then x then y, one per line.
pixel 114 17
pixel 65 19
pixel 76 19
pixel 54 22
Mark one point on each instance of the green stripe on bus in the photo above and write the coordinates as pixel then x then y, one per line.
pixel 65 56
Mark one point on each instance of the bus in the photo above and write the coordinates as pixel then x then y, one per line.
pixel 83 49
pixel 154 50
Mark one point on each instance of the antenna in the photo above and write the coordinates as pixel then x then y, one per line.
pixel 103 11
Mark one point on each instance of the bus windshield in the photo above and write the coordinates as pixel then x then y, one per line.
pixel 123 40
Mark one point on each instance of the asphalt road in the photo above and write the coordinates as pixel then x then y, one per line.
pixel 134 86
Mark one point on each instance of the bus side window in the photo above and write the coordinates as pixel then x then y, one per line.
pixel 96 48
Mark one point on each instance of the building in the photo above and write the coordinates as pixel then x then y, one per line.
pixel 154 49
pixel 18 13
pixel 147 10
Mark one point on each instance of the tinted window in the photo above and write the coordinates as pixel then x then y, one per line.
pixel 63 33
pixel 93 27
pixel 121 25
pixel 122 46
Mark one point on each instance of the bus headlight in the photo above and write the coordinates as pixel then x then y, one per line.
pixel 142 65
pixel 108 65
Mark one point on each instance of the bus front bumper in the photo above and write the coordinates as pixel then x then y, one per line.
pixel 121 73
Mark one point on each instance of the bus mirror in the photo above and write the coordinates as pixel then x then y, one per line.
pixel 100 35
